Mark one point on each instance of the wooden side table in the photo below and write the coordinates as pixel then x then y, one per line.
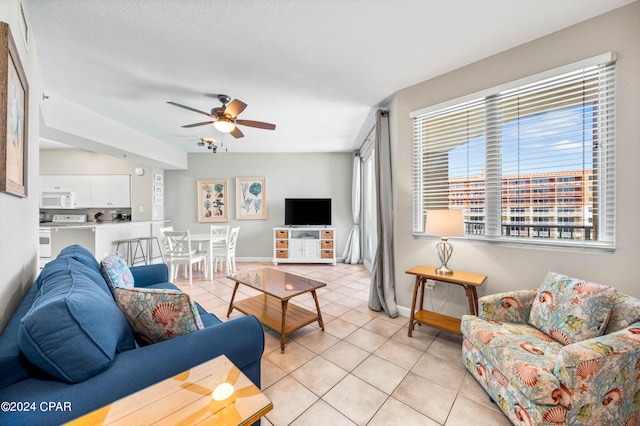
pixel 214 393
pixel 468 280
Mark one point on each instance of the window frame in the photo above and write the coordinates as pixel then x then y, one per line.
pixel 493 209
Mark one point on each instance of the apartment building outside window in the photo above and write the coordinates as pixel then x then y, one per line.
pixel 535 152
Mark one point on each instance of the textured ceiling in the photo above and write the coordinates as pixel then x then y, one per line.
pixel 315 68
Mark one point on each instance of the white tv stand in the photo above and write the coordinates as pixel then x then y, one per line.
pixel 315 244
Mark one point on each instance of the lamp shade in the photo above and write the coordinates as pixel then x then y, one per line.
pixel 444 223
pixel 223 125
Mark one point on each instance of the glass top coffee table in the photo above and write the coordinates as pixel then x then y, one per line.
pixel 272 308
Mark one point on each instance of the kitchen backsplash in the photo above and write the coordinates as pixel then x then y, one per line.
pixel 46 215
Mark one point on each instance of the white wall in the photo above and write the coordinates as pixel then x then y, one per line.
pixel 19 216
pixel 510 268
pixel 287 175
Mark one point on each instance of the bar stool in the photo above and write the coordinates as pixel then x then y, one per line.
pixel 149 243
pixel 132 245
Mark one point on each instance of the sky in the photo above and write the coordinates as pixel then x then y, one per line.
pixel 558 140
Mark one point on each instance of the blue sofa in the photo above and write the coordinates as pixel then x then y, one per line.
pixel 96 360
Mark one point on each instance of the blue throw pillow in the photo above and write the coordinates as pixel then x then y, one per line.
pixel 71 330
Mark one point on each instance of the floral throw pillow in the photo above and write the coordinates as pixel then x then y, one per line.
pixel 116 272
pixel 156 314
pixel 571 310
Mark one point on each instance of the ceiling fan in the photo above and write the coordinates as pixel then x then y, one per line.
pixel 225 118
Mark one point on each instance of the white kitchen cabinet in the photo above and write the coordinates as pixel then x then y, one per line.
pixel 48 183
pixel 67 183
pixel 82 192
pixel 110 191
pixel 91 191
pixel 80 185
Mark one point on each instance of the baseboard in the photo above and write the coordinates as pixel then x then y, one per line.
pixel 270 259
pixel 254 259
pixel 404 312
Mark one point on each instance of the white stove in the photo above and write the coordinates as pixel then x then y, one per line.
pixel 69 218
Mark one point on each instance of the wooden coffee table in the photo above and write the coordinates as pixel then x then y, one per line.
pixel 272 308
pixel 214 393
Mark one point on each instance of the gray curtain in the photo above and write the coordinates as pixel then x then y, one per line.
pixel 352 249
pixel 382 290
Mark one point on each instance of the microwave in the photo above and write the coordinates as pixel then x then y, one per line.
pixel 57 200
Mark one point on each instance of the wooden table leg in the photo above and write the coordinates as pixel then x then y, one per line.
pixel 474 293
pixel 233 296
pixel 315 298
pixel 423 280
pixel 472 297
pixel 283 336
pixel 413 304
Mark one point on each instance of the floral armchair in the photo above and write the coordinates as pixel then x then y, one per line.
pixel 565 354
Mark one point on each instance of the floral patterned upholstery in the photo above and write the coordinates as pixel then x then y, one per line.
pixel 571 310
pixel 116 272
pixel 156 314
pixel 537 380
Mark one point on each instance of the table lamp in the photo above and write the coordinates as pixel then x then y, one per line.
pixel 444 224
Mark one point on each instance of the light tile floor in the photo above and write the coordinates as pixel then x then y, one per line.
pixel 363 369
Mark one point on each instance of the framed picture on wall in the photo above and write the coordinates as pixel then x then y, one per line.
pixel 212 200
pixel 14 108
pixel 251 198
pixel 158 190
pixel 157 178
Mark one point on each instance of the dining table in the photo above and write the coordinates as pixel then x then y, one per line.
pixel 209 239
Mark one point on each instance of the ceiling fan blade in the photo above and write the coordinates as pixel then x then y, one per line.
pixel 197 124
pixel 258 124
pixel 236 133
pixel 234 108
pixel 189 108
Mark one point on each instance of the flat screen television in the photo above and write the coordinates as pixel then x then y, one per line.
pixel 307 211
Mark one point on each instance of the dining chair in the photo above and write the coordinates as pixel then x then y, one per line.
pixel 231 250
pixel 181 253
pixel 219 245
pixel 220 230
pixel 165 241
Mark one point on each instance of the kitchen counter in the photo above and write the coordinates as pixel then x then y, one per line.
pixel 98 237
pixel 98 224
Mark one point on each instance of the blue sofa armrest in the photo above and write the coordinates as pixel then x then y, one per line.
pixel 241 340
pixel 144 276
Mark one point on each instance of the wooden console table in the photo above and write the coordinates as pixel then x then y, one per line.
pixel 468 280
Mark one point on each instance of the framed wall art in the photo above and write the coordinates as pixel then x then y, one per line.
pixel 212 200
pixel 251 198
pixel 14 108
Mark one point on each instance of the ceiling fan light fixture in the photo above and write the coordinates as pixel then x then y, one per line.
pixel 224 125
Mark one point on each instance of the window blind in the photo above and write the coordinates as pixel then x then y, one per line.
pixel 532 161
